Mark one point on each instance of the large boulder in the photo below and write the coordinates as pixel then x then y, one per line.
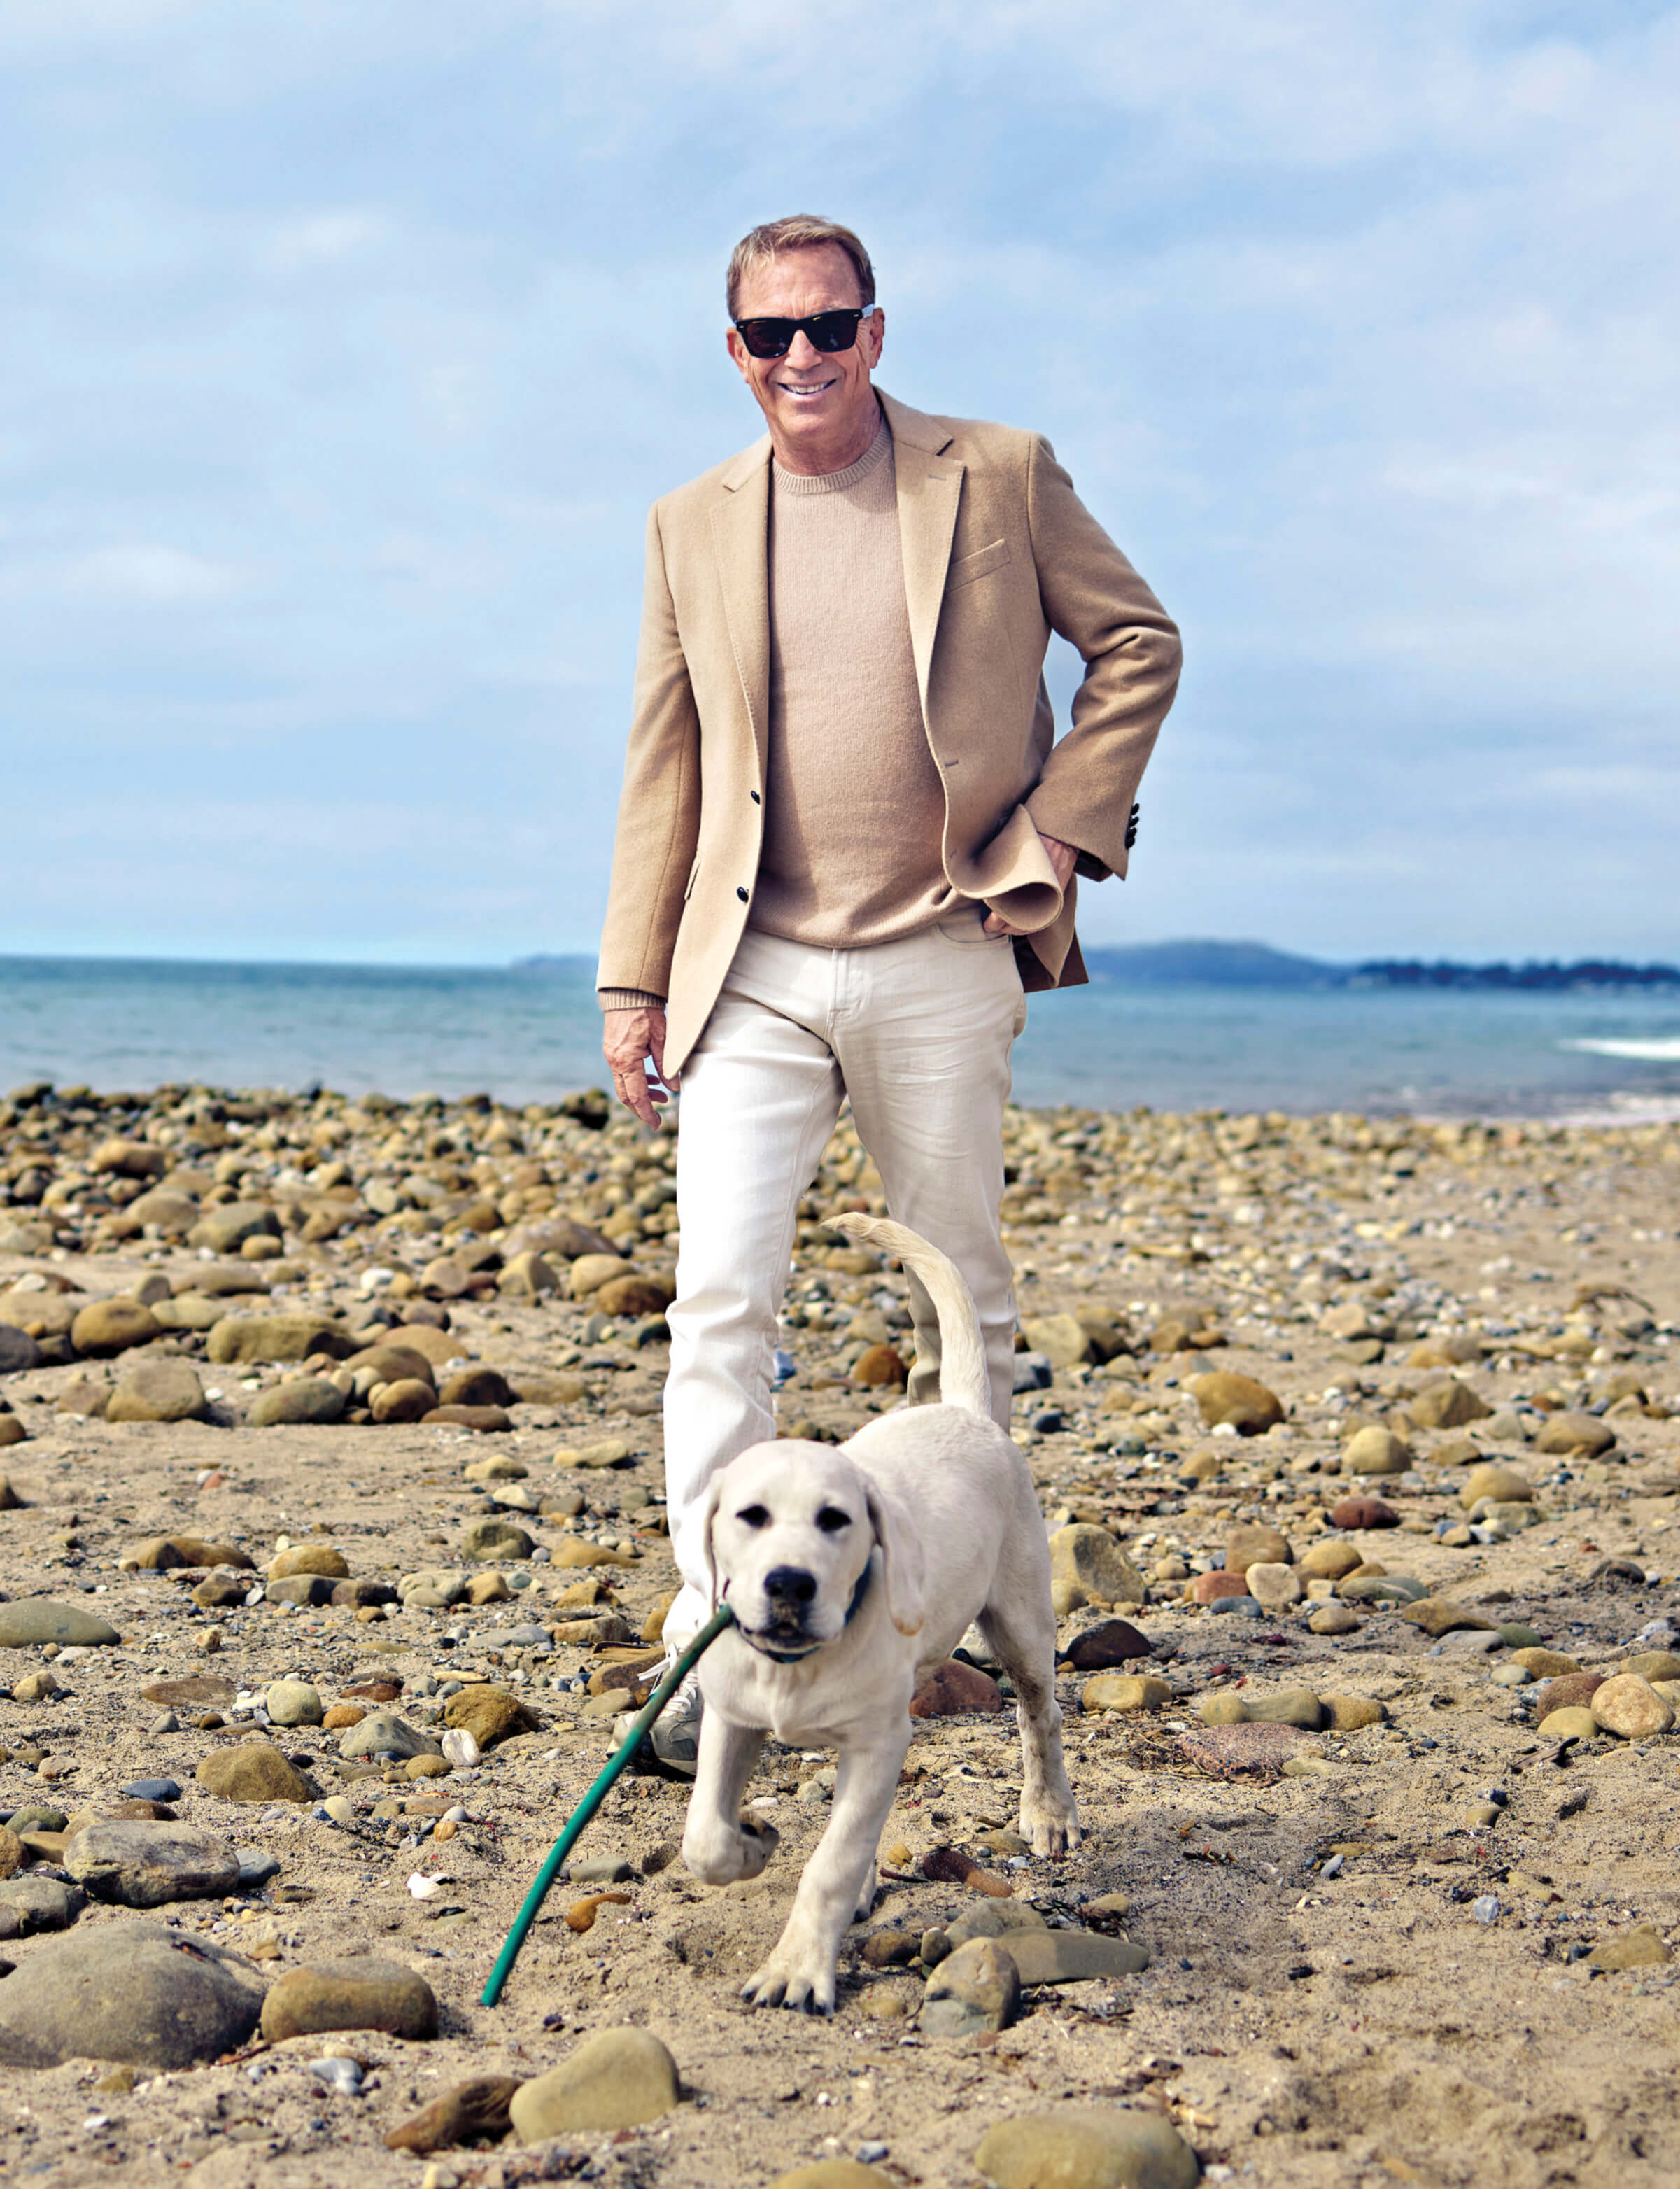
pixel 136 1991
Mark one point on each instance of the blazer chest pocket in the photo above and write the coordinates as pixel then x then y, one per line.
pixel 978 565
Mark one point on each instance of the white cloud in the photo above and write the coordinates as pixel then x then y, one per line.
pixel 149 574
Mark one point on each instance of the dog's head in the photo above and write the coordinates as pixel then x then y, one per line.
pixel 789 1530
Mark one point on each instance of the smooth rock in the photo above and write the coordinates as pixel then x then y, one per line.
pixel 976 1987
pixel 1330 1560
pixel 1492 1480
pixel 1254 1543
pixel 1274 1586
pixel 1553 1665
pixel 292 1702
pixel 1124 1692
pixel 225 1228
pixel 952 1688
pixel 632 1294
pixel 38 1902
pixel 1247 1406
pixel 589 1272
pixel 1106 1642
pixel 18 1351
pixel 240 1340
pixel 1570 1690
pixel 145 1865
pixel 1448 1405
pixel 616 2079
pixel 324 1559
pixel 169 1553
pixel 156 1391
pixel 1641 1947
pixel 1347 1713
pixel 1572 1722
pixel 1089 1566
pixel 1373 1450
pixel 1572 1435
pixel 1209 1587
pixel 1089 2147
pixel 31 1621
pixel 490 1714
pixel 136 1991
pixel 363 1993
pixel 407 1400
pixel 1653 1664
pixel 1437 1616
pixel 112 1326
pixel 302 1400
pixel 1044 1956
pixel 1629 1705
pixel 495 1538
pixel 1334 1619
pixel 1059 1338
pixel 1358 1513
pixel 382 1732
pixel 252 1770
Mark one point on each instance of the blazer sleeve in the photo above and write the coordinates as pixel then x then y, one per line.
pixel 1093 598
pixel 658 824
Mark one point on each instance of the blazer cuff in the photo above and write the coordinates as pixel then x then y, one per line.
pixel 630 999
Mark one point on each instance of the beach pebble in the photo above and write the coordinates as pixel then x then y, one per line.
pixel 1629 1705
pixel 1274 1587
pixel 468 2112
pixel 156 1391
pixel 292 1702
pixel 975 1987
pixel 1236 1401
pixel 1124 1692
pixel 494 1537
pixel 1089 1566
pixel 112 1326
pixel 145 1865
pixel 1330 1560
pixel 1106 1642
pixel 303 1400
pixel 1334 1619
pixel 133 1991
pixel 1256 1543
pixel 616 2079
pixel 1087 2147
pixel 363 1993
pixel 252 1770
pixel 952 1688
pixel 32 1620
pixel 1574 1435
pixel 490 1714
pixel 1372 1450
pixel 1572 1721
pixel 1355 1513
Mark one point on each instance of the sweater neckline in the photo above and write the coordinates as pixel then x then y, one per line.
pixel 872 457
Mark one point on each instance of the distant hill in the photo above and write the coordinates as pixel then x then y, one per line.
pixel 1212 964
pixel 1582 973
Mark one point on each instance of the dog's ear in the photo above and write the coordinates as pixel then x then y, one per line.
pixel 707 1515
pixel 901 1558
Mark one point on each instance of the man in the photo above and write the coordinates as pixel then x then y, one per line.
pixel 847 840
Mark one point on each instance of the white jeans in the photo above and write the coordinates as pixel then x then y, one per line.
pixel 918 1034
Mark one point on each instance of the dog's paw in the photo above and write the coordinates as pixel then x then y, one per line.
pixel 787 1980
pixel 722 1854
pixel 1050 1827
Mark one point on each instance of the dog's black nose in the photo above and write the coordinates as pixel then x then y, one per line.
pixel 789 1585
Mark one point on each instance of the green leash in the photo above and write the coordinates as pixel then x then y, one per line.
pixel 555 1860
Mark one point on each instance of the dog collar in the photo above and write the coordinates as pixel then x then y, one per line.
pixel 798 1656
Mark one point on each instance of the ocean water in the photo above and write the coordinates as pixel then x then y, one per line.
pixel 532 1033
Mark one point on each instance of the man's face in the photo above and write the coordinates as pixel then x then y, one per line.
pixel 810 400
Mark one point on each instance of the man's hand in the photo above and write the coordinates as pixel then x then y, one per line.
pixel 1062 857
pixel 629 1037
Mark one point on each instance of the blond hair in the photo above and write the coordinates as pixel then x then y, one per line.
pixel 800 231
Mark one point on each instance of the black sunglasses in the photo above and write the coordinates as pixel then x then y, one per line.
pixel 825 331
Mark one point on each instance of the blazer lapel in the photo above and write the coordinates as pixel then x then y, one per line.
pixel 741 539
pixel 929 486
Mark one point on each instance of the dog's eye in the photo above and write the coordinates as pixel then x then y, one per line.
pixel 831 1520
pixel 754 1516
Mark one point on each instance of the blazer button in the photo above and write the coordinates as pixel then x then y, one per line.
pixel 742 894
pixel 753 796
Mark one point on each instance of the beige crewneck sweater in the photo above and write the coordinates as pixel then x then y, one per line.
pixel 854 810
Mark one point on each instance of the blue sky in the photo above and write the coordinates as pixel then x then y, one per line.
pixel 346 341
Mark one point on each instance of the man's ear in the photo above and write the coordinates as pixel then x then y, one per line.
pixel 901 1558
pixel 708 1506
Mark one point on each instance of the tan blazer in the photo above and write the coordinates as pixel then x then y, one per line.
pixel 998 552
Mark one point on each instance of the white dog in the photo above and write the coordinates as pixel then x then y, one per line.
pixel 850 1572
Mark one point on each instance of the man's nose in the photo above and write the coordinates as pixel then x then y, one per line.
pixel 803 352
pixel 789 1585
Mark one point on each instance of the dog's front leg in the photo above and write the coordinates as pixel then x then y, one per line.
pixel 716 1848
pixel 800 1972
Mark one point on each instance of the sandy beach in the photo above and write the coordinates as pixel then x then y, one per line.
pixel 334 1450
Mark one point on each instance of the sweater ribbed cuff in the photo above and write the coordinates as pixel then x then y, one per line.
pixel 630 999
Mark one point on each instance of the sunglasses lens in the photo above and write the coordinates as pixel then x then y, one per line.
pixel 767 338
pixel 831 330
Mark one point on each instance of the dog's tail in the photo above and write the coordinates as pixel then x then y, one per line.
pixel 963 1378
